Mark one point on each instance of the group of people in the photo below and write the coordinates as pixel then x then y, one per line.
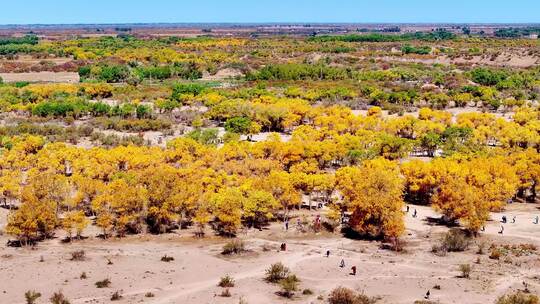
pixel 316 223
pixel 415 213
pixel 504 220
pixel 342 264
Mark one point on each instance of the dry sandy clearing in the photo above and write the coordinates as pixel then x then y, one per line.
pixel 69 77
pixel 198 265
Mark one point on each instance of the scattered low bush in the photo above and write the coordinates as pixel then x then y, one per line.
pixel 289 285
pixel 343 295
pixel 31 296
pixel 453 241
pixel 116 296
pixel 59 298
pixel 234 247
pixel 465 270
pixel 226 281
pixel 78 255
pixel 103 283
pixel 495 253
pixel 518 298
pixel 167 258
pixel 276 272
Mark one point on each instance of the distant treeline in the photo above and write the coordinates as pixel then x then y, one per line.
pixel 300 72
pixel 125 73
pixel 393 29
pixel 438 34
pixel 28 39
pixel 516 32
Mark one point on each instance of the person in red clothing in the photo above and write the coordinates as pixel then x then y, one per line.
pixel 353 269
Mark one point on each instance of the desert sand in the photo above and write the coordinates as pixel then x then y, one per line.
pixel 192 277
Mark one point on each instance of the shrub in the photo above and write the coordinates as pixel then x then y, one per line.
pixel 481 248
pixel 59 298
pixel 276 272
pixel 234 247
pixel 238 125
pixel 116 296
pixel 242 300
pixel 226 293
pixel 289 285
pixel 518 298
pixel 103 283
pixel 149 294
pixel 495 253
pixel 83 276
pixel 307 291
pixel 180 89
pixel 342 295
pixel 31 296
pixel 78 255
pixel 455 240
pixel 167 258
pixel 487 77
pixel 465 270
pixel 226 281
pixel 422 50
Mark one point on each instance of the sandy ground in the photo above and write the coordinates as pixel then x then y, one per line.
pixel 198 265
pixel 69 77
pixel 504 60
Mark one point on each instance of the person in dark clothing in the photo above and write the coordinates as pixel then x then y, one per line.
pixel 327 253
pixel 415 213
pixel 428 293
pixel 504 219
pixel 342 263
pixel 353 270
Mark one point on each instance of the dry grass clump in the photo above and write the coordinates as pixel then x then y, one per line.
pixel 149 295
pixel 226 281
pixel 167 258
pixel 31 296
pixel 343 295
pixel 465 270
pixel 518 298
pixel 453 241
pixel 234 247
pixel 289 285
pixel 78 255
pixel 276 273
pixel 116 296
pixel 103 283
pixel 59 298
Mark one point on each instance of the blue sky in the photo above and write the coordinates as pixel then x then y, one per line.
pixel 127 11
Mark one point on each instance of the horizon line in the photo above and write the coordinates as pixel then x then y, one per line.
pixel 274 23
